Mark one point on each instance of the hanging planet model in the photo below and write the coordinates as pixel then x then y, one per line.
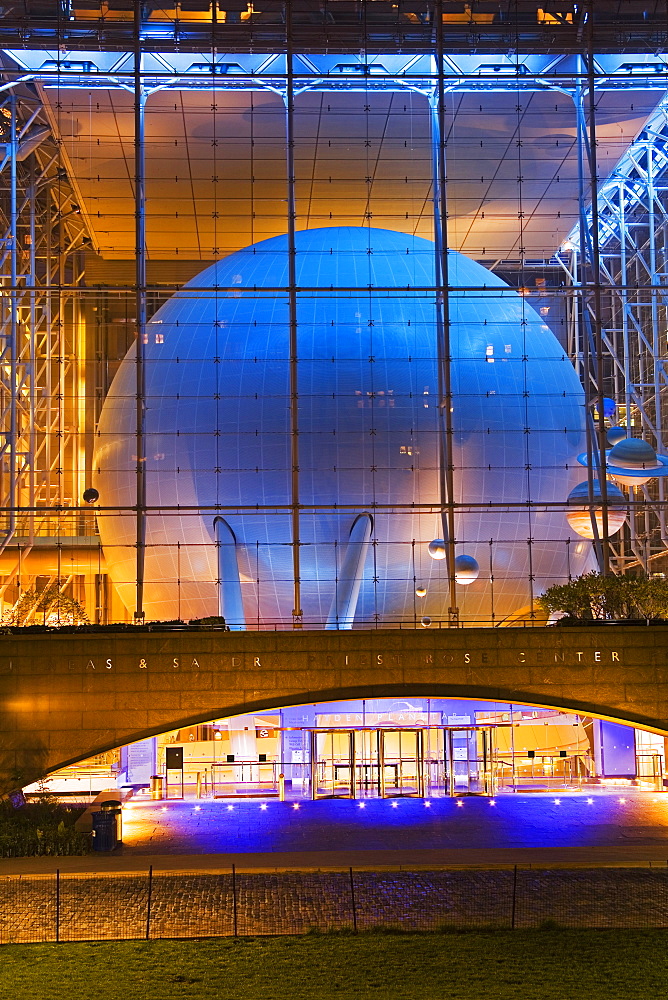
pixel 437 549
pixel 467 570
pixel 579 517
pixel 615 435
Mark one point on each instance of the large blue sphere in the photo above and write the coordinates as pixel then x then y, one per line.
pixel 219 432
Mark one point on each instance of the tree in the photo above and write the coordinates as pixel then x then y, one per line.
pixel 594 597
pixel 45 607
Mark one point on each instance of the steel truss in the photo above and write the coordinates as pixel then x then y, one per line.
pixel 42 349
pixel 632 228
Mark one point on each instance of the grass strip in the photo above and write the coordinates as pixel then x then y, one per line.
pixel 545 964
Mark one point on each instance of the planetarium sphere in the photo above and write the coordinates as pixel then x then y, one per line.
pixel 218 435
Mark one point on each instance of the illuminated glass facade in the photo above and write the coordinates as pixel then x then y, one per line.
pixel 379 748
pixel 315 314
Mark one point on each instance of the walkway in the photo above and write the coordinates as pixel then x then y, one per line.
pixel 618 828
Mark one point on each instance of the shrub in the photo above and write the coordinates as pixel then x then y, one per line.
pixel 42 827
pixel 594 597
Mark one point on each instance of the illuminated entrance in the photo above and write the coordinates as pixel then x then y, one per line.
pixel 396 763
pixel 379 749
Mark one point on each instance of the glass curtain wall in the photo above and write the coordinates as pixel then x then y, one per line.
pixel 305 339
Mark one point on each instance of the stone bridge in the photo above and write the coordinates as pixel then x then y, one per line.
pixel 65 697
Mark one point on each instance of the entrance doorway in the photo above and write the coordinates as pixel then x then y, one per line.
pixel 470 761
pixel 395 763
pixel 333 764
pixel 400 763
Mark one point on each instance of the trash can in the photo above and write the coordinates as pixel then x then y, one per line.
pixel 157 782
pixel 104 831
pixel 114 807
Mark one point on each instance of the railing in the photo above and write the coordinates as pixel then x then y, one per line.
pixel 151 905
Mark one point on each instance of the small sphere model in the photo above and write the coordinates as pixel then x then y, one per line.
pixel 219 439
pixel 615 435
pixel 609 407
pixel 437 549
pixel 467 570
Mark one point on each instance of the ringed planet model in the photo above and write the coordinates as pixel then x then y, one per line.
pixel 631 461
pixel 219 441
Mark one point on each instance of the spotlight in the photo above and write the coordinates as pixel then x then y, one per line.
pixel 460 803
pixel 622 801
pixel 590 802
pixel 427 805
pixel 197 808
pixel 263 806
pixel 492 802
pixel 230 808
pixel 557 802
pixel 362 805
pixel 164 809
pixel 394 805
pixel 295 805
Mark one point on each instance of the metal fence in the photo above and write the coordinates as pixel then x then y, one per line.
pixel 150 905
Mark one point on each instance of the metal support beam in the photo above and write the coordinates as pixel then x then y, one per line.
pixel 140 305
pixel 443 346
pixel 293 330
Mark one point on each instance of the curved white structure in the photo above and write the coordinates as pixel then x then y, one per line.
pixel 218 432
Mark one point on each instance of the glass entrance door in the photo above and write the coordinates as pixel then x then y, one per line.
pixel 333 764
pixel 400 763
pixel 469 761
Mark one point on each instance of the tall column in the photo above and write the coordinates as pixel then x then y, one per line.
pixel 140 306
pixel 292 320
pixel 443 348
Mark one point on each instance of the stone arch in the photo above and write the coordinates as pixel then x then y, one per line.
pixel 450 691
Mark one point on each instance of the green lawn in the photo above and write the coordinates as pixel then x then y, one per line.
pixel 475 965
